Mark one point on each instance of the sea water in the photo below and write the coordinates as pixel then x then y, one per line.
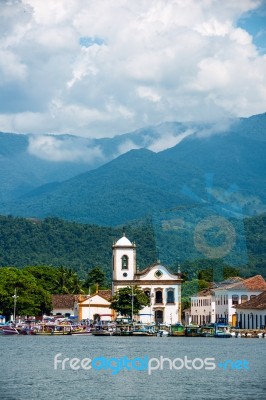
pixel 117 368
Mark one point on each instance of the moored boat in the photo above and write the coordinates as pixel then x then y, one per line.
pixel 9 330
pixel 51 329
pixel 143 330
pixel 177 330
pixel 192 331
pixel 207 330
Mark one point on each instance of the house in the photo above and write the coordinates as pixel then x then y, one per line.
pixel 229 295
pixel 252 313
pixel 96 306
pixel 203 307
pixel 161 286
pixel 219 300
pixel 65 304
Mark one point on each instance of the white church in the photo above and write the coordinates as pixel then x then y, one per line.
pixel 162 287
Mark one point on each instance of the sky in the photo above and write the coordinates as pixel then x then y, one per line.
pixel 99 68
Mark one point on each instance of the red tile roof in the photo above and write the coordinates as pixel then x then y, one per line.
pixel 254 283
pixel 64 300
pixel 258 303
pixel 106 294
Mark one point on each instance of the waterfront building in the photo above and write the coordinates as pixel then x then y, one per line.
pixel 252 314
pixel 96 307
pixel 161 286
pixel 65 304
pixel 220 299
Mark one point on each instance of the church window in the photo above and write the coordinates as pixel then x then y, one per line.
pixel 170 296
pixel 158 297
pixel 125 262
pixel 158 273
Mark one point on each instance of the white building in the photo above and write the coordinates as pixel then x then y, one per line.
pixel 162 287
pixel 228 296
pixel 220 301
pixel 203 307
pixel 96 305
pixel 65 304
pixel 252 314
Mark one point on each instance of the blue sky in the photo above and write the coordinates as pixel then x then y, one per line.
pixel 98 68
pixel 254 22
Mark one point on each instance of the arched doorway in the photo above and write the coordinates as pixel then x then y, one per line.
pixel 158 316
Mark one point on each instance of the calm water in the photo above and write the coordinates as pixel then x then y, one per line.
pixel 27 369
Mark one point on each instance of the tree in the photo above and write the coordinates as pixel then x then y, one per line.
pixel 121 302
pixel 96 276
pixel 68 281
pixel 32 298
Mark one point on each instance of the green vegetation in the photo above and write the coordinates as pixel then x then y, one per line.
pixel 82 248
pixel 32 299
pixel 95 276
pixel 79 247
pixel 52 256
pixel 122 301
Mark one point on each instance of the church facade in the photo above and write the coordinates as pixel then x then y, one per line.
pixel 162 287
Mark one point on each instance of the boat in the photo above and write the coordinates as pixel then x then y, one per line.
pixel 192 331
pixel 162 332
pixel 123 330
pixel 102 332
pixel 9 330
pixel 51 329
pixel 222 333
pixel 222 329
pixel 103 328
pixel 143 330
pixel 177 330
pixel 207 330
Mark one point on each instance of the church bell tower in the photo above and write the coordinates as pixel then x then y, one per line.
pixel 124 262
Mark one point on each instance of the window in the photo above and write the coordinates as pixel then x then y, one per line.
pixel 170 296
pixel 235 299
pixel 125 262
pixel 244 298
pixel 158 296
pixel 158 274
pixel 252 296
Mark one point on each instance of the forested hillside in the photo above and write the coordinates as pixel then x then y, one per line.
pixel 52 241
pixel 59 243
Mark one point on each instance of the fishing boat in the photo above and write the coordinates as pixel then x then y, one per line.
pixel 222 329
pixel 51 329
pixel 103 328
pixel 177 330
pixel 143 330
pixel 123 330
pixel 192 331
pixel 207 330
pixel 102 332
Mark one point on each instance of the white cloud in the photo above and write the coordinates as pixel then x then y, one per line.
pixel 169 139
pixel 63 149
pixel 126 146
pixel 100 67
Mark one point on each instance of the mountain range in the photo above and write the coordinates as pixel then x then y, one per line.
pixel 222 170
